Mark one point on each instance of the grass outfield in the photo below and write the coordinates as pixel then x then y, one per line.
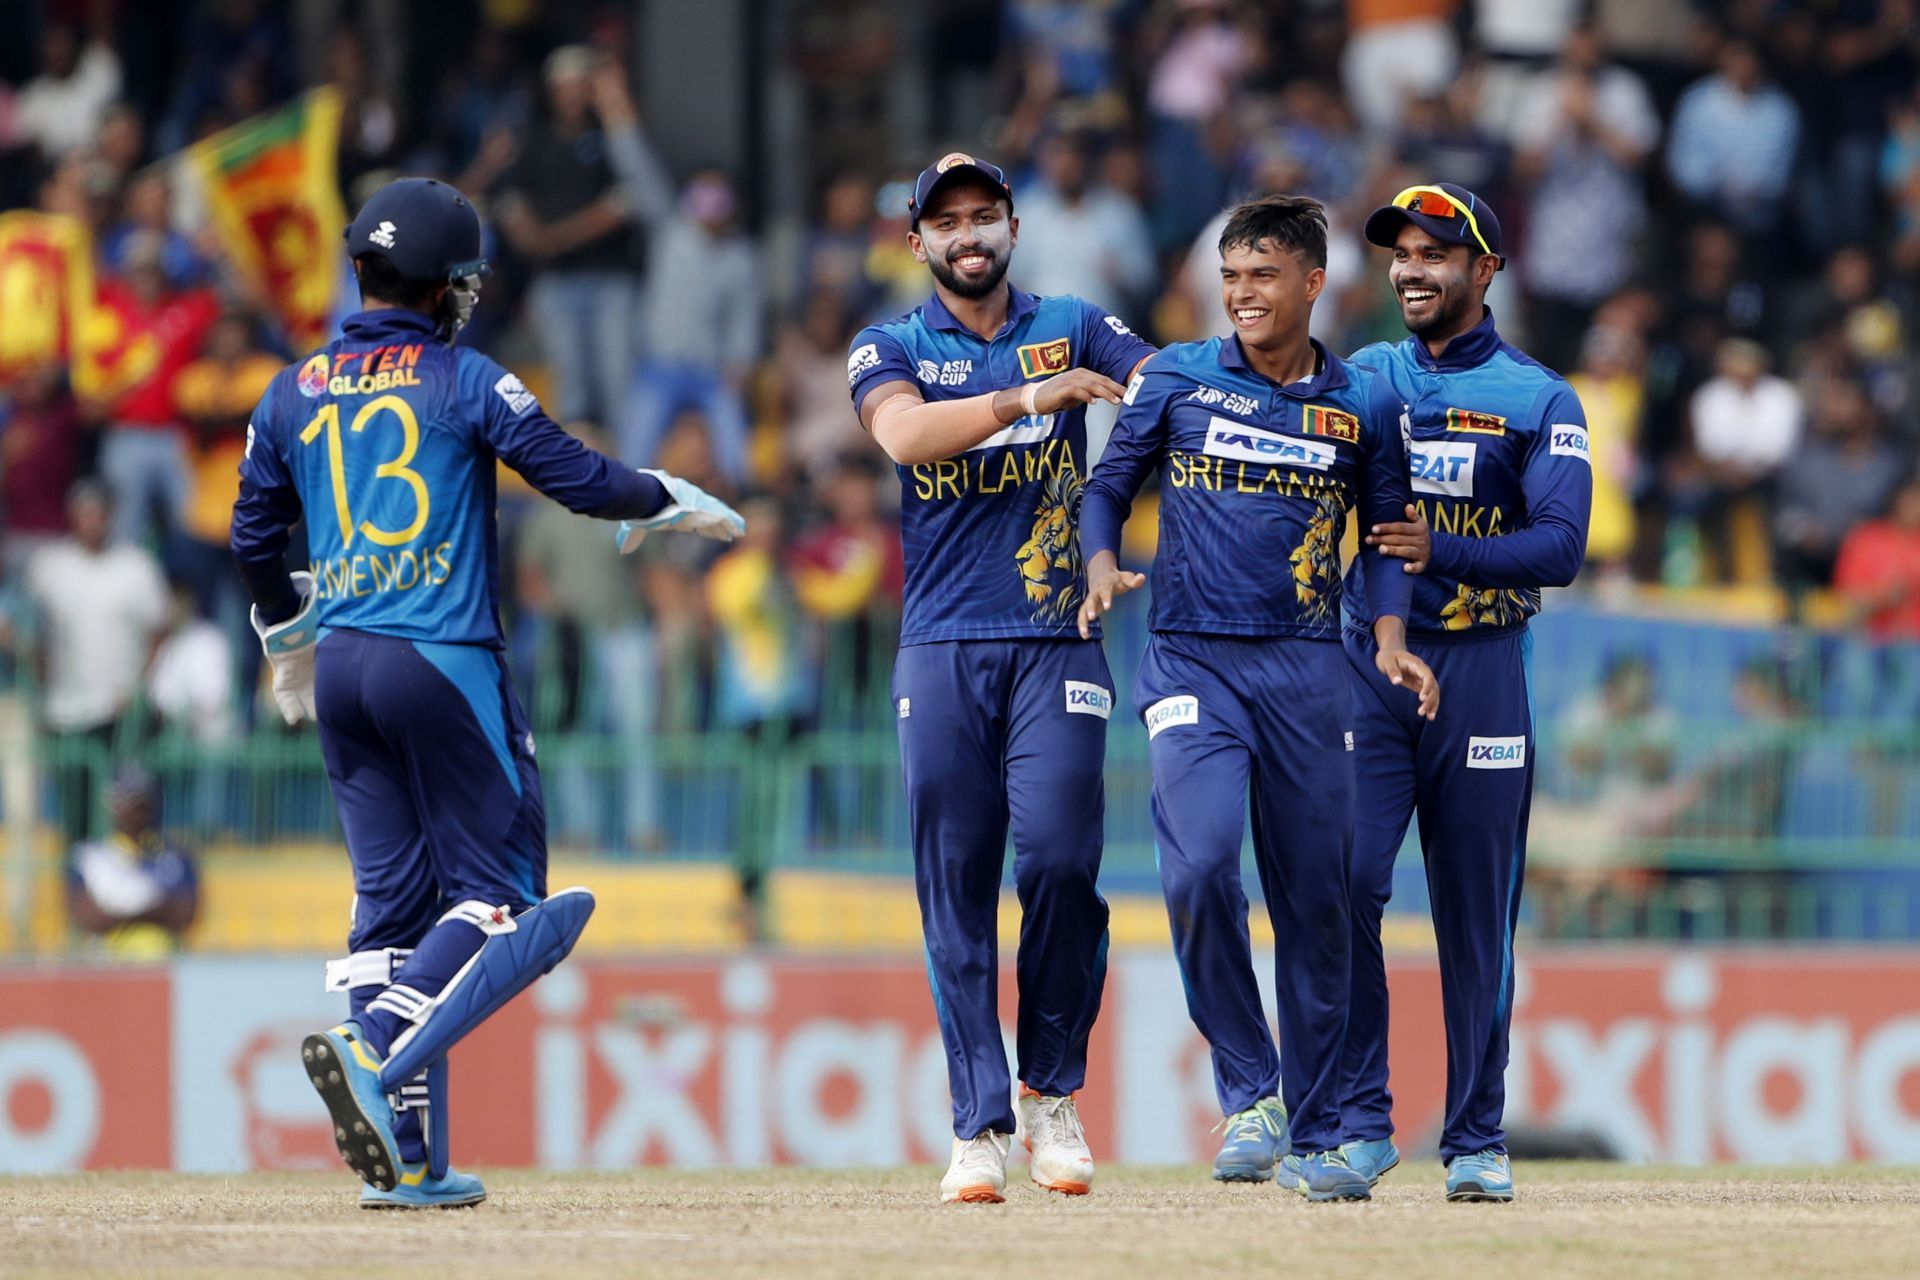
pixel 1572 1220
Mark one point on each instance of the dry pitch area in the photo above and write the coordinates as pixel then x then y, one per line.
pixel 1572 1221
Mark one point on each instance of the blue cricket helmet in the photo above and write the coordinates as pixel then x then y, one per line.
pixel 424 227
pixel 430 233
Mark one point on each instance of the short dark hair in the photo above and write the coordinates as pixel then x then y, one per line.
pixel 1295 223
pixel 380 279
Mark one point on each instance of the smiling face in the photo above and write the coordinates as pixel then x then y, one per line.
pixel 1440 286
pixel 966 237
pixel 1268 293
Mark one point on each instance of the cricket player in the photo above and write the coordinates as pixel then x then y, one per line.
pixel 1265 441
pixel 979 396
pixel 1501 485
pixel 385 441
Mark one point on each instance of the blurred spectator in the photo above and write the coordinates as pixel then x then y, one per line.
pixel 761 663
pixel 190 685
pixel 1841 476
pixel 143 454
pixel 147 213
pixel 834 260
pixel 1733 143
pixel 1610 385
pixel 810 364
pixel 101 603
pixel 570 207
pixel 216 395
pixel 850 564
pixel 369 120
pixel 41 446
pixel 1583 133
pixel 1871 60
pixel 1200 51
pixel 1900 178
pixel 584 597
pixel 1878 573
pixel 1077 37
pixel 703 315
pixel 1746 422
pixel 239 61
pixel 484 102
pixel 1080 236
pixel 1442 134
pixel 1614 756
pixel 60 109
pixel 133 890
pixel 1738 790
pixel 1397 51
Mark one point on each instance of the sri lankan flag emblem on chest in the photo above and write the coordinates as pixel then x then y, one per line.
pixel 1470 420
pixel 1334 424
pixel 1044 359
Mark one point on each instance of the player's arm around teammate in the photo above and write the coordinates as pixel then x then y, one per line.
pixel 1502 483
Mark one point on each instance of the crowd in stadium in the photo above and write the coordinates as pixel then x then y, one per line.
pixel 1713 215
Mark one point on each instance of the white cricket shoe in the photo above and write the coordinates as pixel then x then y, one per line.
pixel 978 1171
pixel 1059 1158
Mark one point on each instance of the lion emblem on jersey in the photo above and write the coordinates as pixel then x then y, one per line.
pixel 1049 559
pixel 1316 561
pixel 1482 607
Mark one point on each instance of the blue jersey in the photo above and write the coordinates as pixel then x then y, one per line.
pixel 1497 447
pixel 386 441
pixel 1259 479
pixel 988 537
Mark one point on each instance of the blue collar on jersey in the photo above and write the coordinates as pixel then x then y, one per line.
pixel 1468 351
pixel 385 324
pixel 1019 306
pixel 1333 371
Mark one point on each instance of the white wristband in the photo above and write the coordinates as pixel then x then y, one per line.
pixel 1028 394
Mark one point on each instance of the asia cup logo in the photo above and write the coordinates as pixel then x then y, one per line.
pixel 1049 560
pixel 313 376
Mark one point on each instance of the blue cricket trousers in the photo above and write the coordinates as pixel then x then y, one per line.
pixel 999 734
pixel 1469 776
pixel 1233 721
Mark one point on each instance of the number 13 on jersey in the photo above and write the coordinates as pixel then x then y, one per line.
pixel 395 468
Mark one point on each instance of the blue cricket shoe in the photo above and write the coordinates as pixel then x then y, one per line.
pixel 1371 1157
pixel 1482 1175
pixel 419 1189
pixel 1255 1138
pixel 345 1072
pixel 1323 1176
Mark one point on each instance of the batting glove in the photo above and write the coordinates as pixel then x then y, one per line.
pixel 693 510
pixel 289 649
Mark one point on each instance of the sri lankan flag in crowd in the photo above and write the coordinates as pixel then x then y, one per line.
pixel 273 193
pixel 46 290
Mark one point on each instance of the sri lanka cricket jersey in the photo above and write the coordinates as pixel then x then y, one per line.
pixel 386 440
pixel 1497 450
pixel 1259 478
pixel 988 537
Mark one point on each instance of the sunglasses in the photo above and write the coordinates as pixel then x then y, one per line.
pixel 1435 203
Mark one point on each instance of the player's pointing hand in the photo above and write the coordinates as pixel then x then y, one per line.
pixel 1106 582
pixel 1076 386
pixel 1411 540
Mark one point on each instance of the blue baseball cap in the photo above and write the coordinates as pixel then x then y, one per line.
pixel 954 167
pixel 1447 212
pixel 425 228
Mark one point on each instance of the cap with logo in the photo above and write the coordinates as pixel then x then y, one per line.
pixel 955 166
pixel 1446 211
pixel 425 228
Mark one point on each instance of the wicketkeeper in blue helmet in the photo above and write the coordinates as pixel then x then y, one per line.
pixel 385 442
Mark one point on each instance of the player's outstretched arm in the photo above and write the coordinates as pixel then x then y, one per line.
pixel 914 430
pixel 1401 666
pixel 1138 444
